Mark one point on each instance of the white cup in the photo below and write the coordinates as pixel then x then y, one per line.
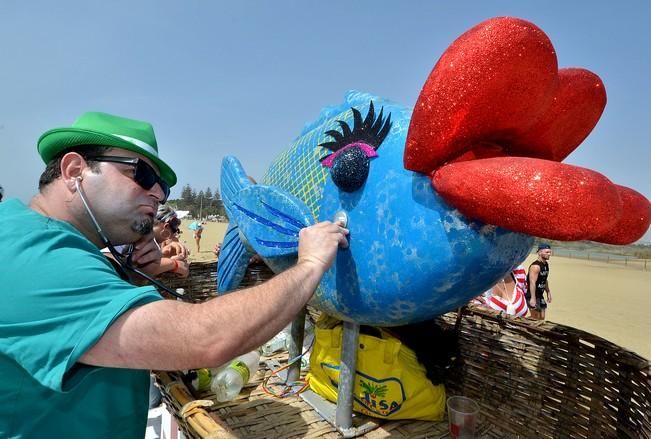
pixel 463 417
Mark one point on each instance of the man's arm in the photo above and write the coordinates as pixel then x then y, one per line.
pixel 549 293
pixel 175 265
pixel 534 270
pixel 171 335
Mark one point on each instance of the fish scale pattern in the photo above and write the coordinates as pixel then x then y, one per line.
pixel 299 171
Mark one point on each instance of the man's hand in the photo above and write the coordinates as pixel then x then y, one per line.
pixel 174 249
pixel 318 244
pixel 146 253
pixel 549 297
pixel 532 303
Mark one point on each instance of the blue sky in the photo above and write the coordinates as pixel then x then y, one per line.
pixel 242 78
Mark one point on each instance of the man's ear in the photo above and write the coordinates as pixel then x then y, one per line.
pixel 72 167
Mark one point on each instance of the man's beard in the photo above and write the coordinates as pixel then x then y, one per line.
pixel 143 227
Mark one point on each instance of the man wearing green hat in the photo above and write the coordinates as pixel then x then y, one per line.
pixel 77 341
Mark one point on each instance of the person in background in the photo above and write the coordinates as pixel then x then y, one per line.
pixel 2 193
pixel 166 225
pixel 520 275
pixel 76 340
pixel 196 234
pixel 507 296
pixel 174 247
pixel 538 282
pixel 173 253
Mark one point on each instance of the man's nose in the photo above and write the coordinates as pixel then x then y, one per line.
pixel 158 191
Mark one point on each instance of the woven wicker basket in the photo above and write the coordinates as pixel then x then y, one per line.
pixel 532 380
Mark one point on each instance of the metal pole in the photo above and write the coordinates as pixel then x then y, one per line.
pixel 344 414
pixel 295 347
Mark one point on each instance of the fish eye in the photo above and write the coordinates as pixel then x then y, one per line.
pixel 350 169
pixel 352 149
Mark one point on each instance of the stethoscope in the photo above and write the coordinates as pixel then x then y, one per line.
pixel 123 262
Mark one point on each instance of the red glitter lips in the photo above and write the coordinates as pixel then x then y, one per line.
pixel 497 96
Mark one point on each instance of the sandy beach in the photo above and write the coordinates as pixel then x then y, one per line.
pixel 608 300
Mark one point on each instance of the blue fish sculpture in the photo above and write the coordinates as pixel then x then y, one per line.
pixel 411 256
pixel 417 248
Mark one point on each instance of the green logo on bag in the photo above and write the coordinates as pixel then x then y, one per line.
pixel 373 390
pixel 373 398
pixel 380 397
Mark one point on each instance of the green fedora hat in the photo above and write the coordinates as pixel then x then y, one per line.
pixel 106 130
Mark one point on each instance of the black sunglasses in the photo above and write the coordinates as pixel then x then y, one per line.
pixel 174 224
pixel 145 175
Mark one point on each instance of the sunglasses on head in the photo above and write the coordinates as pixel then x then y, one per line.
pixel 145 175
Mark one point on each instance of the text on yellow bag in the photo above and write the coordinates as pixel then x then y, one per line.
pixel 389 381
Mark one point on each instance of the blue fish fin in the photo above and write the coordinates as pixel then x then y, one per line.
pixel 263 219
pixel 270 219
pixel 233 180
pixel 233 259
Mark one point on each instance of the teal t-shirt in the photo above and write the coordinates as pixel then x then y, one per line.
pixel 59 295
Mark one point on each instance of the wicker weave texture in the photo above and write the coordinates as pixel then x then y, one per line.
pixel 551 380
pixel 257 415
pixel 532 380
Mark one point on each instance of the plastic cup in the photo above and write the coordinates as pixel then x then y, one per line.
pixel 463 417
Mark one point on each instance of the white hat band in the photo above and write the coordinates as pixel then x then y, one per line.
pixel 150 149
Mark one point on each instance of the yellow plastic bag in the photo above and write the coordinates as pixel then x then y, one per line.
pixel 389 381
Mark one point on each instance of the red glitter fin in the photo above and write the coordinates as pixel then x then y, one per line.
pixel 544 198
pixel 499 83
pixel 575 110
pixel 635 219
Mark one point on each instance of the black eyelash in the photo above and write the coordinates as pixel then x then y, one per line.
pixel 371 131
